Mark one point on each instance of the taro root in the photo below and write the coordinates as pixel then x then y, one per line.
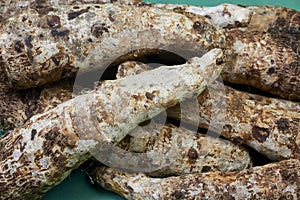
pixel 40 48
pixel 41 153
pixel 261 53
pixel 9 8
pixel 273 181
pixel 264 61
pixel 166 150
pixel 262 45
pixel 268 125
pixel 193 152
pixel 18 107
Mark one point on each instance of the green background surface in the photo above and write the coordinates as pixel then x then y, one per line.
pixel 78 186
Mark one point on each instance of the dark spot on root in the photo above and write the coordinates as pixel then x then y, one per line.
pixel 293 80
pixel 295 47
pixel 22 146
pixel 219 61
pixel 28 41
pixel 248 75
pixel 283 124
pixel 97 30
pixel 179 10
pixel 144 4
pixel 29 112
pixel 207 16
pixel 289 176
pixel 260 134
pixel 149 96
pixel 228 127
pixel 55 60
pixel 75 14
pixel 55 33
pixel 271 71
pixel 199 27
pixel 18 46
pixel 238 24
pixel 206 169
pixel 129 188
pixel 111 18
pixel 192 154
pixel 53 21
pixel 52 135
pixel 59 161
pixel 33 133
pixel 178 194
pixel 30 56
pixel 238 140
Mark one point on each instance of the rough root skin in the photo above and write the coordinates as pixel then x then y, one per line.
pixel 59 42
pixel 270 126
pixel 273 181
pixel 41 153
pixel 263 48
pixel 9 8
pixel 176 151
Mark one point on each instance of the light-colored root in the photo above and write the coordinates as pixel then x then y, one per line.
pixel 273 181
pixel 268 125
pixel 43 46
pixel 193 152
pixel 18 107
pixel 9 8
pixel 272 133
pixel 263 49
pixel 41 153
pixel 166 150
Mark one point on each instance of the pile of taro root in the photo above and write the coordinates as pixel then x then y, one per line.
pixel 159 101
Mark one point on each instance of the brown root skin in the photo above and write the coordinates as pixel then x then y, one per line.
pixel 41 153
pixel 177 150
pixel 261 53
pixel 196 153
pixel 17 107
pixel 265 62
pixel 273 181
pixel 268 125
pixel 276 116
pixel 40 48
pixel 262 42
pixel 9 8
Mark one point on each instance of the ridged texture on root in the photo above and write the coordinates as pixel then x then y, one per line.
pixel 41 153
pixel 273 181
